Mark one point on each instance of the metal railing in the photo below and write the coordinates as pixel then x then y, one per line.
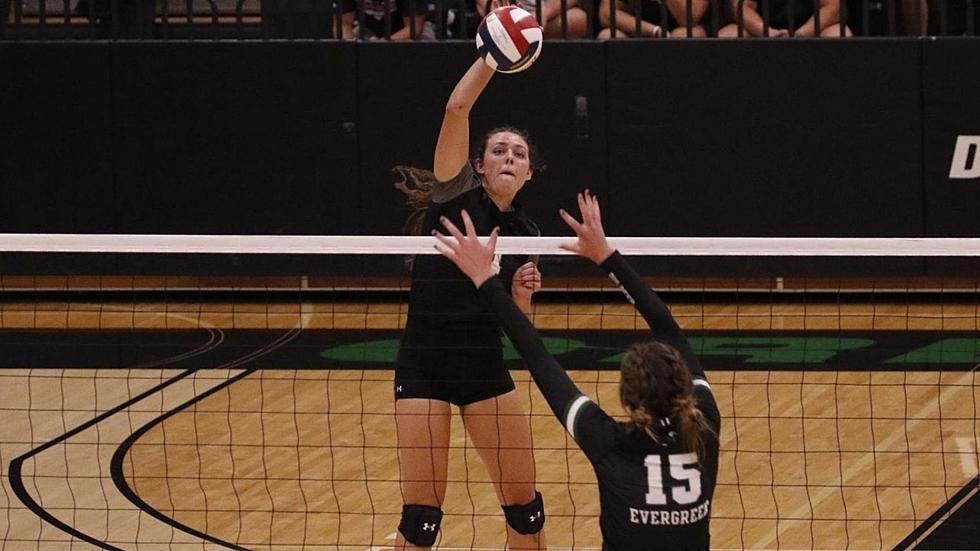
pixel 458 19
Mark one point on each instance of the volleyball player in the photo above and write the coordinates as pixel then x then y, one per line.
pixel 657 471
pixel 450 352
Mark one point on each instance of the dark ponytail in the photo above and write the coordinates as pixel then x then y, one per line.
pixel 657 392
pixel 417 185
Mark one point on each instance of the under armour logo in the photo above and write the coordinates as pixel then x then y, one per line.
pixel 535 516
pixel 428 527
pixel 398 388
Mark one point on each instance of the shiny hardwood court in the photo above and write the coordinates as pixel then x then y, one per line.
pixel 283 459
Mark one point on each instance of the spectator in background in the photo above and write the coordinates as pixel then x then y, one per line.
pixel 909 12
pixel 782 23
pixel 346 21
pixel 869 18
pixel 5 16
pixel 308 18
pixel 651 14
pixel 576 20
pixel 401 20
pixel 952 17
pixel 135 18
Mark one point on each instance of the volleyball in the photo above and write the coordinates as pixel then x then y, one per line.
pixel 509 39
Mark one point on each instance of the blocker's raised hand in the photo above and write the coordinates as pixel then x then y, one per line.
pixel 472 257
pixel 591 242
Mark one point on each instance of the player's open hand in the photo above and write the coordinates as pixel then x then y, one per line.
pixel 591 242
pixel 467 253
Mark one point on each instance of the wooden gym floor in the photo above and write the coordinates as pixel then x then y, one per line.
pixel 158 458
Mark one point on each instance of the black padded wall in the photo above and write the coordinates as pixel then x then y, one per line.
pixel 679 138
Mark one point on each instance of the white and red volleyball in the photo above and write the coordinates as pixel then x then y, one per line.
pixel 509 39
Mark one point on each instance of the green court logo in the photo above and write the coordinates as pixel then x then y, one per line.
pixel 386 350
pixel 748 350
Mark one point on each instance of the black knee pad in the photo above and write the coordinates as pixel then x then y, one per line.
pixel 420 524
pixel 527 518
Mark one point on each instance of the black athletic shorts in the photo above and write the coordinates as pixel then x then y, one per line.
pixel 459 371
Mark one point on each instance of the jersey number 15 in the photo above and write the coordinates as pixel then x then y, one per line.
pixel 683 468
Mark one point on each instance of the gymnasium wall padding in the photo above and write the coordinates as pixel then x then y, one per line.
pixel 683 138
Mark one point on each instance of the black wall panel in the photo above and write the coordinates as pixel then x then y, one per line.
pixel 235 138
pixel 401 91
pixel 246 138
pixel 55 152
pixel 951 86
pixel 682 138
pixel 764 139
pixel 55 149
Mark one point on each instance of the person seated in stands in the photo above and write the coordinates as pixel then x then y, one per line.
pixel 296 18
pixel 907 17
pixel 347 20
pixel 576 20
pixel 786 18
pixel 651 14
pixel 401 20
pixel 915 17
pixel 135 19
pixel 956 21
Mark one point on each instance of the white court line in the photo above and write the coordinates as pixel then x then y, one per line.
pixel 968 455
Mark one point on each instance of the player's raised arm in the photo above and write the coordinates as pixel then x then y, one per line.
pixel 453 147
pixel 498 52
pixel 593 245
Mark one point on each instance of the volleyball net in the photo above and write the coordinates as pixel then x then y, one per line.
pixel 199 392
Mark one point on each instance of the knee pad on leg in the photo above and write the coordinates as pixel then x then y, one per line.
pixel 420 524
pixel 528 518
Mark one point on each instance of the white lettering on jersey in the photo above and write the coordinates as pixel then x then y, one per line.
pixel 684 469
pixel 675 518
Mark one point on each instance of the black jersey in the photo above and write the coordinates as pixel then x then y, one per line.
pixel 779 13
pixel 653 496
pixel 451 348
pixel 442 296
pixel 374 15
